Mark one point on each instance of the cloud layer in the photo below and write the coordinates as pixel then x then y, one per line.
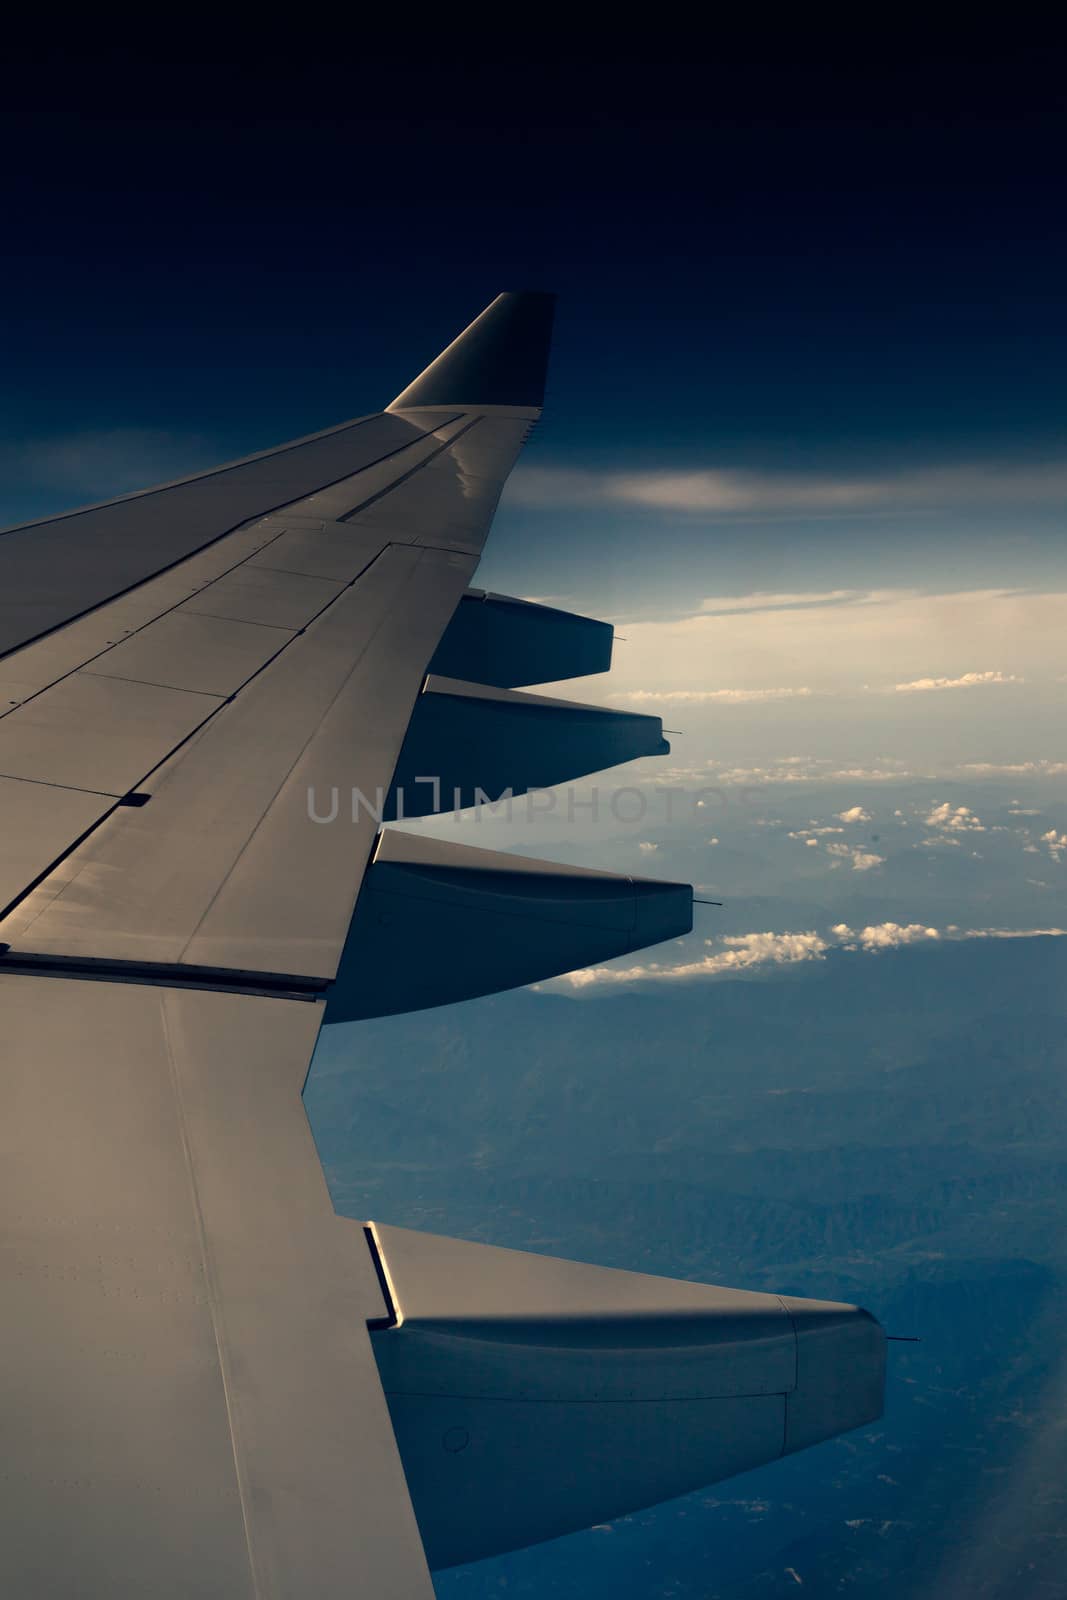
pixel 724 697
pixel 105 462
pixel 748 951
pixel 969 680
pixel 898 649
pixel 734 492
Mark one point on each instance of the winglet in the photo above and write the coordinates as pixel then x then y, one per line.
pixel 500 360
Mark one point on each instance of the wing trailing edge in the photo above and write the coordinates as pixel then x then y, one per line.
pixel 532 1396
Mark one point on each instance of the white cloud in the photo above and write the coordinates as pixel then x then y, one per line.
pixel 739 953
pixel 751 951
pixel 1055 843
pixel 869 774
pixel 954 819
pixel 862 860
pixel 969 680
pixel 818 772
pixel 883 935
pixel 813 833
pixel 717 696
pixel 853 814
pixel 647 846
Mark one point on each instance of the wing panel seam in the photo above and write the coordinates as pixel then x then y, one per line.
pixel 218 1322
pixel 265 511
pixel 221 703
pixel 425 462
pixel 160 974
pixel 383 618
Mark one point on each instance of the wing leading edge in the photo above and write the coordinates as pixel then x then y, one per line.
pixel 188 679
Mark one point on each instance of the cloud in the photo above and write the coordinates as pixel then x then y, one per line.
pixel 739 952
pixel 647 846
pixel 862 860
pixel 893 770
pixel 954 819
pixel 730 492
pixel 740 650
pixel 716 696
pixel 969 680
pixel 793 770
pixel 853 814
pixel 1055 843
pixel 1037 769
pixel 818 771
pixel 753 951
pixel 883 935
pixel 725 491
pixel 726 605
pixel 104 461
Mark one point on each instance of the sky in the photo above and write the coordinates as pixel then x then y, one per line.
pixel 811 334
pixel 811 331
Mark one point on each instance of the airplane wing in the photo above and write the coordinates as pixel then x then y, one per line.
pixel 212 695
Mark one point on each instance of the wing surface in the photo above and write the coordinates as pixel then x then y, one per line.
pixel 307 630
pixel 191 1405
pixel 191 1402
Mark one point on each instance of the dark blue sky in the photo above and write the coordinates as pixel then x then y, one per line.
pixel 776 260
pixel 791 251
